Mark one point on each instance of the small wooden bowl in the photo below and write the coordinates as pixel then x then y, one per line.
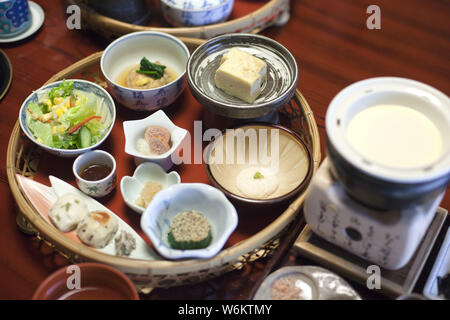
pixel 97 282
pixel 294 163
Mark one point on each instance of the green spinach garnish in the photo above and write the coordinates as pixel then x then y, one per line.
pixel 156 71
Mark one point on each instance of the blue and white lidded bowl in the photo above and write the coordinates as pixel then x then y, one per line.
pixel 183 13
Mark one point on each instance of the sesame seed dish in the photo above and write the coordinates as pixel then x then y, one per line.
pixel 189 220
pixel 189 230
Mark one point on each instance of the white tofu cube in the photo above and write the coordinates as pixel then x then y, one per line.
pixel 241 75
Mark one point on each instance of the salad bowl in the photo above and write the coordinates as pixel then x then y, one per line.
pixel 75 125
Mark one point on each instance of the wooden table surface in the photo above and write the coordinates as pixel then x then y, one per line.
pixel 333 48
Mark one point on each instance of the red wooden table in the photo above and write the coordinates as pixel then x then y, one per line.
pixel 333 48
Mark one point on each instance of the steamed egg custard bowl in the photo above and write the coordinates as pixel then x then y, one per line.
pixel 258 163
pixel 387 139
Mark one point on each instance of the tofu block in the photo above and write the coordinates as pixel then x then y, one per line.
pixel 241 75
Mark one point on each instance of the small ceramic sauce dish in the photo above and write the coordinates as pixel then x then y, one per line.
pixel 131 187
pixel 95 173
pixel 135 131
pixel 210 202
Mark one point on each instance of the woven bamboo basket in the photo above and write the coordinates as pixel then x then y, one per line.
pixel 274 12
pixel 23 158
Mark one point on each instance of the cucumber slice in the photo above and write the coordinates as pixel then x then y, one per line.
pixel 85 137
pixel 189 245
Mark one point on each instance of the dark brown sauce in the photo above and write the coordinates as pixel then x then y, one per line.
pixel 95 172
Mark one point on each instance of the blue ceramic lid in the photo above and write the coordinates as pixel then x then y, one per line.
pixel 192 5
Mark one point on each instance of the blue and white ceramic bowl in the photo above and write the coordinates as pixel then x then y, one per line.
pixel 211 202
pixel 128 50
pixel 182 13
pixel 15 17
pixel 80 85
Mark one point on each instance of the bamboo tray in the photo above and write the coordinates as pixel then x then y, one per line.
pixel 258 233
pixel 273 12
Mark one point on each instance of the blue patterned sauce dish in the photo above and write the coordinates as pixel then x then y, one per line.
pixel 122 64
pixel 15 17
pixel 92 186
pixel 158 217
pixel 184 13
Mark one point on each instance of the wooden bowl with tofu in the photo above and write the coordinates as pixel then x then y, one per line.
pixel 242 76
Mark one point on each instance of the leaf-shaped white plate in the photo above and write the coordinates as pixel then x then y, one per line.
pixel 42 198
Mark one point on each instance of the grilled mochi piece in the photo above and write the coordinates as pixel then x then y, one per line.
pixel 189 230
pixel 241 75
pixel 97 229
pixel 67 212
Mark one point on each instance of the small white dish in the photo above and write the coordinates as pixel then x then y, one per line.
pixel 135 129
pixel 37 20
pixel 441 267
pixel 182 13
pixel 131 187
pixel 211 202
pixel 128 50
pixel 95 188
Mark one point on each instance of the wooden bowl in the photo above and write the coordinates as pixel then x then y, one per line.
pixel 289 161
pixel 97 282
